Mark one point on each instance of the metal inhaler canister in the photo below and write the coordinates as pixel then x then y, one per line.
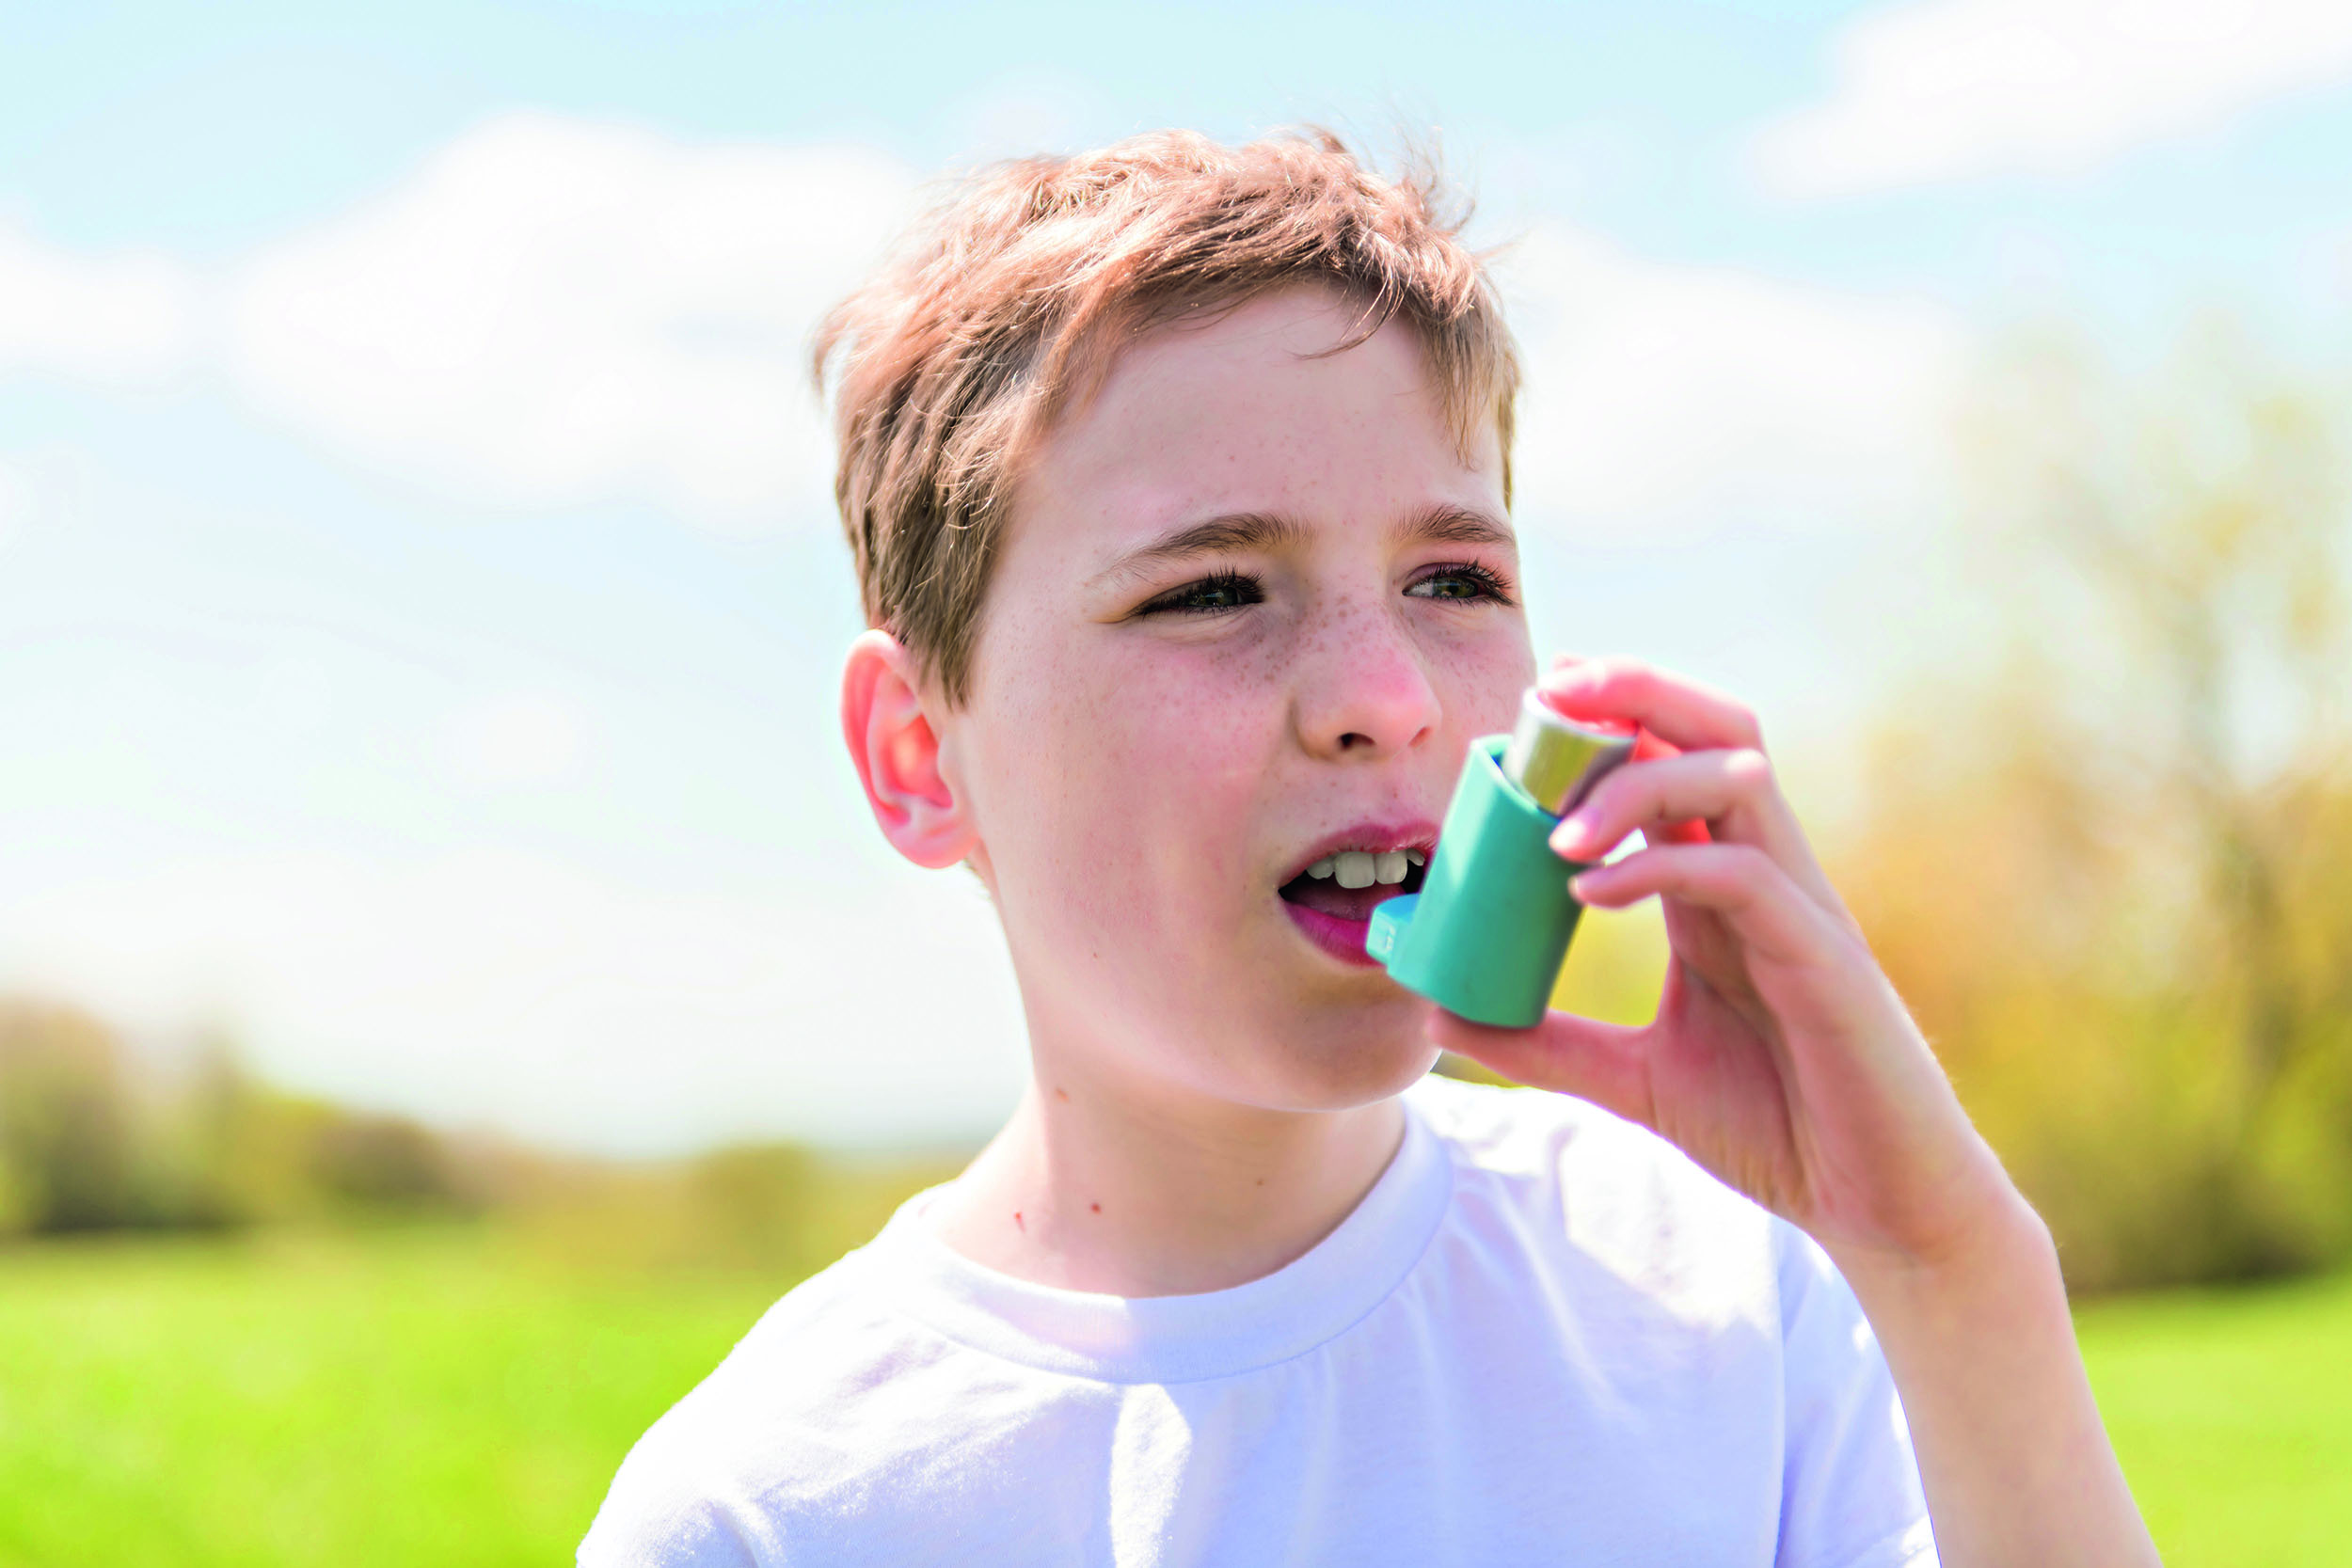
pixel 1486 935
pixel 1557 760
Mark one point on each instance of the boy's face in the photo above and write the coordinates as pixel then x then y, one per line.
pixel 1251 606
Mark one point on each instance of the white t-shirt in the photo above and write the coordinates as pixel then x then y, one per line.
pixel 1544 1336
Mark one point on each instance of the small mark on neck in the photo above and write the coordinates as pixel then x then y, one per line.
pixel 1019 1221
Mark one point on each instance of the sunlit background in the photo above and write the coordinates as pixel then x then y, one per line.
pixel 421 597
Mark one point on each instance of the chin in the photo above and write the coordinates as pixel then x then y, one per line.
pixel 1343 1058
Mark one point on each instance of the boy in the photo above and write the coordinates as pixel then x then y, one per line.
pixel 1177 478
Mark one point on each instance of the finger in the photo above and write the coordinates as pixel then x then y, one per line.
pixel 1733 793
pixel 1649 747
pixel 1604 1063
pixel 1691 715
pixel 1737 881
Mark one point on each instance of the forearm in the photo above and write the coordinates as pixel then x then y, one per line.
pixel 2015 1459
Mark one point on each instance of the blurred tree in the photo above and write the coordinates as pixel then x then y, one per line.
pixel 758 1204
pixel 91 1139
pixel 386 1161
pixel 2109 866
pixel 65 1122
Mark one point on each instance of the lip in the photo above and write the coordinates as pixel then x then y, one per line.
pixel 1420 834
pixel 1341 939
pixel 1338 936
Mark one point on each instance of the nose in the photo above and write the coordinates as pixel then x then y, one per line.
pixel 1364 689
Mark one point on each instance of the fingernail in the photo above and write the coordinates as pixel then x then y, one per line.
pixel 1575 833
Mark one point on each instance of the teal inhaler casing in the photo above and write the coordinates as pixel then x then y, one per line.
pixel 1486 935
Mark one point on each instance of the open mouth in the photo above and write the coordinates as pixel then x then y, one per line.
pixel 1331 900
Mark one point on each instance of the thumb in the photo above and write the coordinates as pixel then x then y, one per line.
pixel 1604 1063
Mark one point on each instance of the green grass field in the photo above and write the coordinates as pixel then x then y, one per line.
pixel 405 1398
pixel 428 1396
pixel 2233 1411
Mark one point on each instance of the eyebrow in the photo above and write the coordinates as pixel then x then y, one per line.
pixel 1458 525
pixel 1232 534
pixel 1241 531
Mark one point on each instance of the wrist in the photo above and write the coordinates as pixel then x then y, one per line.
pixel 2001 1266
pixel 2016 1462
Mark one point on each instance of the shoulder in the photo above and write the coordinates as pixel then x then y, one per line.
pixel 1561 1175
pixel 782 1437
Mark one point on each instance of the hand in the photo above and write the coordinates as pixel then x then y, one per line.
pixel 1781 1058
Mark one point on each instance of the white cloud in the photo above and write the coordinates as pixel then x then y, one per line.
pixel 551 311
pixel 121 319
pixel 1672 399
pixel 490 987
pixel 1946 89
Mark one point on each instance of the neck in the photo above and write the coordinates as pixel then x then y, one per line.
pixel 1142 1189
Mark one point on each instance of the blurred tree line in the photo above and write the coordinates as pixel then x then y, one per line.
pixel 93 1139
pixel 2108 861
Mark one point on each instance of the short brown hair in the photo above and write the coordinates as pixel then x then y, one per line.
pixel 1023 284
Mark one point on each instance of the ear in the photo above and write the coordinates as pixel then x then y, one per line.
pixel 897 753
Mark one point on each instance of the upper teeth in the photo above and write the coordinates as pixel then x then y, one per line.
pixel 1362 867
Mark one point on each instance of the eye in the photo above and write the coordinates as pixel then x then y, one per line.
pixel 1461 582
pixel 1210 596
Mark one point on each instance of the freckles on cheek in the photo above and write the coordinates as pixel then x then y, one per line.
pixel 1187 737
pixel 1485 677
pixel 1131 763
pixel 1209 716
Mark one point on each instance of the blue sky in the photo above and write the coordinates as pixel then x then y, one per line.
pixel 419 604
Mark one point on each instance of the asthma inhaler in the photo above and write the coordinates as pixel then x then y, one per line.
pixel 1485 934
